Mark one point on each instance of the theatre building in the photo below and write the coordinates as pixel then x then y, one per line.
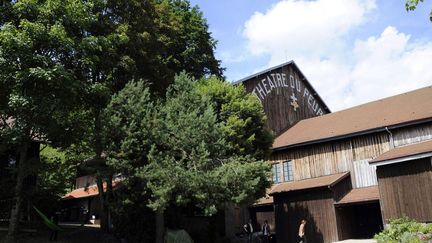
pixel 348 172
pixel 287 97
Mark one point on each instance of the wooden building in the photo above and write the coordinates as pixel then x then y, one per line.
pixel 350 171
pixel 286 95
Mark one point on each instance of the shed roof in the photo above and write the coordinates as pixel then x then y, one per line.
pixel 322 181
pixel 267 199
pixel 402 109
pixel 359 195
pixel 405 152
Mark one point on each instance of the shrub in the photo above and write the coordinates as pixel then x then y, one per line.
pixel 405 230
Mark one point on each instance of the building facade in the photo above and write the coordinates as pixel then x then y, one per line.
pixel 349 172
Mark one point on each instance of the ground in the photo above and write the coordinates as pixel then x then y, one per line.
pixel 83 234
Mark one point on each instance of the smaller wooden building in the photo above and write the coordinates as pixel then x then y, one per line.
pixel 405 182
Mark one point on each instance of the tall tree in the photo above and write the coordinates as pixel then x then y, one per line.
pixel 178 149
pixel 39 91
pixel 149 40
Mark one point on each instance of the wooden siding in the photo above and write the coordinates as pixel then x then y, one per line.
pixel 364 173
pixel 405 190
pixel 412 134
pixel 276 87
pixel 336 157
pixel 316 206
pixel 341 189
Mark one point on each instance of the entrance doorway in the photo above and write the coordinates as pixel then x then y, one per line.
pixel 359 221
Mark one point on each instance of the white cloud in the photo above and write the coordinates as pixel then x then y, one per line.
pixel 316 34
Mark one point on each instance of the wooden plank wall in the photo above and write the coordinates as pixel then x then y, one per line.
pixel 314 206
pixel 406 190
pixel 364 173
pixel 337 156
pixel 412 134
pixel 275 88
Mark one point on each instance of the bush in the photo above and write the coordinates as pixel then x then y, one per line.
pixel 405 230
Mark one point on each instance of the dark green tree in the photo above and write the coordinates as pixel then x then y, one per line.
pixel 39 90
pixel 241 116
pixel 179 150
pixel 148 40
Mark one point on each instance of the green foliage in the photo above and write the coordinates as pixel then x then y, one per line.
pixel 241 116
pixel 405 230
pixel 56 175
pixel 37 87
pixel 55 178
pixel 411 5
pixel 178 147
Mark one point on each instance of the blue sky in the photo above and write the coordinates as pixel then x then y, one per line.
pixel 352 51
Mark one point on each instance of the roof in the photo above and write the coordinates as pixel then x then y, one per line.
pixel 424 148
pixel 267 199
pixel 263 201
pixel 322 181
pixel 84 192
pixel 410 107
pixel 359 195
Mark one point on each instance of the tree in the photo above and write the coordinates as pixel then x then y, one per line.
pixel 241 116
pixel 411 5
pixel 148 40
pixel 179 150
pixel 62 60
pixel 38 88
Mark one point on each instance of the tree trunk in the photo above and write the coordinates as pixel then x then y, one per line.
pixel 99 179
pixel 108 198
pixel 102 215
pixel 18 198
pixel 160 226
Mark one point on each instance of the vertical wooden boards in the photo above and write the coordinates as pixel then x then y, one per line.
pixel 316 206
pixel 365 174
pixel 406 190
pixel 412 134
pixel 337 156
pixel 286 95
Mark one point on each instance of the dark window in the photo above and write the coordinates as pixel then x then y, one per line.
pixel 288 170
pixel 276 173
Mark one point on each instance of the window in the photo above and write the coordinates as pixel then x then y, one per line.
pixel 276 173
pixel 288 170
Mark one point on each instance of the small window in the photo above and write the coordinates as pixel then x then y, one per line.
pixel 276 173
pixel 288 170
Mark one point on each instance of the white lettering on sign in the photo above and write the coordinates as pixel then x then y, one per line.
pixel 280 80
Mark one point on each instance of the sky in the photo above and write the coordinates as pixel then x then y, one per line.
pixel 351 51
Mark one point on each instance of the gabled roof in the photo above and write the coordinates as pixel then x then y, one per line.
pixel 399 110
pixel 322 181
pixel 292 63
pixel 405 153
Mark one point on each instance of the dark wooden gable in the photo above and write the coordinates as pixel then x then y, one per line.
pixel 286 95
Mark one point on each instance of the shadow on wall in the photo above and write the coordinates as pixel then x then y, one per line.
pixel 313 234
pixel 289 220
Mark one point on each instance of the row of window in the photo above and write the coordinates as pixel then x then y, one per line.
pixel 287 172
